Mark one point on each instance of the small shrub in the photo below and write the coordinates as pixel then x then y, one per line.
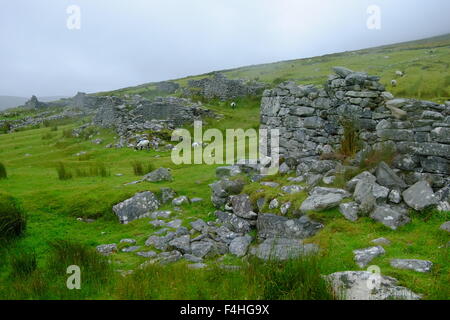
pixel 350 143
pixel 23 264
pixel 141 169
pixel 12 218
pixel 63 172
pixel 3 173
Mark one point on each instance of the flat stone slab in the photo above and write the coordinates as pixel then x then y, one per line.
pixel 364 256
pixel 412 264
pixel 365 285
pixel 282 249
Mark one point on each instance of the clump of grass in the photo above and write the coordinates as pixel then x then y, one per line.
pixel 94 170
pixel 140 169
pixel 12 218
pixel 350 142
pixel 3 173
pixel 48 136
pixel 370 158
pixel 63 172
pixel 5 127
pixel 23 264
pixel 54 128
pixel 67 133
pixel 63 253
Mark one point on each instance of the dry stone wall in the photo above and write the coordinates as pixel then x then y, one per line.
pixel 310 122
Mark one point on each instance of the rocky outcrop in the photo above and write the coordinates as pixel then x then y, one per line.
pixel 139 206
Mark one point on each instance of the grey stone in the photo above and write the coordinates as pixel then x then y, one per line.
pixel 271 226
pixel 284 208
pixel 388 178
pixel 169 257
pixel 420 196
pixel 129 241
pixel 175 223
pixel 139 206
pixel 131 249
pixel 364 285
pixel 228 171
pixel 161 214
pixel 242 206
pixel 412 264
pixel 192 258
pixel 324 191
pixel 239 245
pixel 147 254
pixel 160 243
pixel 161 174
pixel 364 256
pixel 321 202
pixel 224 188
pixel 167 194
pixel 342 71
pixel 199 225
pixel 366 176
pixel 270 184
pixel 197 266
pixel 283 249
pixel 233 222
pixel 183 244
pixel 381 241
pixel 349 210
pixel 395 196
pixel 274 204
pixel 292 189
pixel 445 226
pixel 392 218
pixel 107 249
pixel 180 201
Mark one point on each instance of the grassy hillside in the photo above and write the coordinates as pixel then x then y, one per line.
pixel 52 205
pixel 424 62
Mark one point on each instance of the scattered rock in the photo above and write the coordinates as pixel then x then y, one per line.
pixel 412 264
pixel 161 174
pixel 197 266
pixel 381 241
pixel 239 245
pixel 147 254
pixel 365 285
pixel 364 256
pixel 175 223
pixel 420 196
pixel 272 226
pixel 180 201
pixel 167 194
pixel 321 202
pixel 349 210
pixel 131 249
pixel 183 244
pixel 270 184
pixel 107 249
pixel 242 206
pixel 274 204
pixel 199 225
pixel 388 178
pixel 392 218
pixel 292 189
pixel 139 206
pixel 445 226
pixel 282 249
pixel 233 222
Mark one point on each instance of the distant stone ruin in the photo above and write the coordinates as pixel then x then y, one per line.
pixel 219 86
pixel 310 118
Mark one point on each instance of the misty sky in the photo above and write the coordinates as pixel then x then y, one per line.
pixel 130 42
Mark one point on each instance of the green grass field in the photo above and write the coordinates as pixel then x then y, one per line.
pixel 52 206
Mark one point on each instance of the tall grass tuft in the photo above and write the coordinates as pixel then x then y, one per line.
pixel 94 170
pixel 3 173
pixel 23 264
pixel 350 143
pixel 63 172
pixel 12 218
pixel 140 169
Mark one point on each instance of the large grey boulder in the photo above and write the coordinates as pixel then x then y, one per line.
pixel 223 189
pixel 349 210
pixel 420 196
pixel 390 217
pixel 239 246
pixel 161 174
pixel 412 264
pixel 242 206
pixel 366 176
pixel 208 248
pixel 319 202
pixel 139 206
pixel 273 226
pixel 342 71
pixel 365 285
pixel 282 249
pixel 364 256
pixel 233 222
pixel 182 244
pixel 363 195
pixel 388 178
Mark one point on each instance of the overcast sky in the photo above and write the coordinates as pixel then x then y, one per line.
pixel 130 42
